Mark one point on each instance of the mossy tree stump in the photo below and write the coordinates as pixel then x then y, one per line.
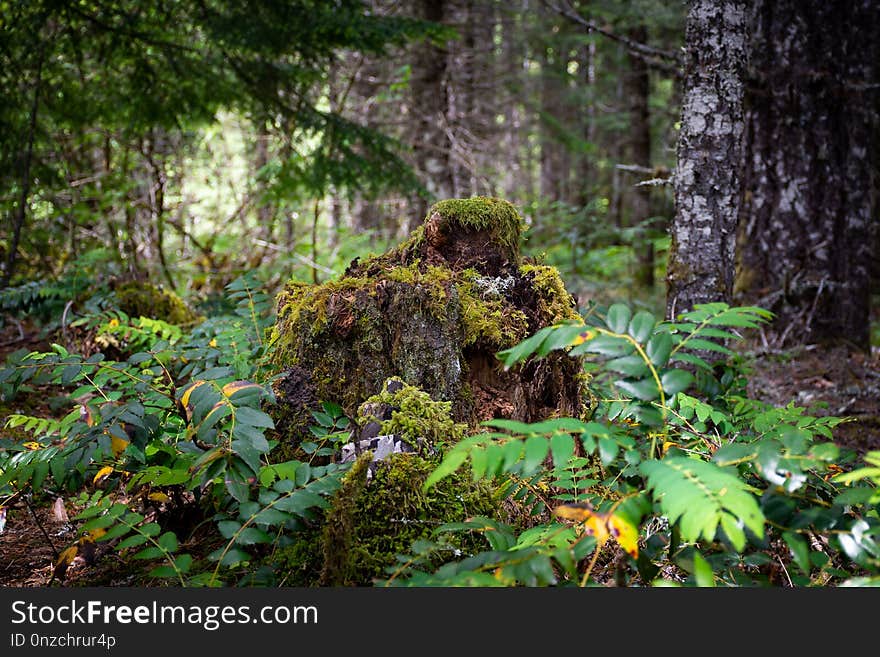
pixel 434 311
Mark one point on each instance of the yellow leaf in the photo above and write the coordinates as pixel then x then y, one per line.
pixel 103 473
pixel 184 400
pixel 579 512
pixel 117 444
pixel 64 560
pixel 158 497
pixel 213 342
pixel 626 535
pixel 32 445
pixel 580 338
pixel 237 386
pixel 602 526
pixel 93 535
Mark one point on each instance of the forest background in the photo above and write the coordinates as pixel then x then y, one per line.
pixel 662 155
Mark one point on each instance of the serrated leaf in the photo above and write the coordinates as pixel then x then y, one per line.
pixel 698 344
pixel 536 448
pixel 696 495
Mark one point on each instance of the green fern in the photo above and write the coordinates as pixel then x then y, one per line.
pixel 701 496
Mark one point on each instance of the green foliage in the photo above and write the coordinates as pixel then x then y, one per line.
pixel 179 413
pixel 707 488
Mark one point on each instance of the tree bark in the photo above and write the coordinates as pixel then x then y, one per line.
pixel 21 212
pixel 638 93
pixel 708 184
pixel 806 233
pixel 431 143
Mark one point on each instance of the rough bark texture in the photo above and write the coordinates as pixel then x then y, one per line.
pixel 433 311
pixel 806 233
pixel 707 180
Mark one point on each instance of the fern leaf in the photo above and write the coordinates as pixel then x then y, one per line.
pixel 701 496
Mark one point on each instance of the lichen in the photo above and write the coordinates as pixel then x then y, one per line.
pixel 555 303
pixel 138 299
pixel 370 524
pixel 416 418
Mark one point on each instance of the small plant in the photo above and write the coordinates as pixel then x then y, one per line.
pixel 177 421
pixel 718 490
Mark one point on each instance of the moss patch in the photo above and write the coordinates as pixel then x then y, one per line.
pixel 434 311
pixel 137 299
pixel 370 523
pixel 554 301
pixel 415 417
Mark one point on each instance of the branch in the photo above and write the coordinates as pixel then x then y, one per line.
pixel 654 57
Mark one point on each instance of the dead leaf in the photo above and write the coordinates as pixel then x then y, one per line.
pixel 64 560
pixel 103 473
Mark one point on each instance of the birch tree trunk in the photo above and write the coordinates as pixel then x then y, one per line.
pixel 708 184
pixel 806 231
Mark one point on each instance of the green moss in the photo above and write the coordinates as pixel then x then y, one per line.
pixel 137 299
pixel 435 280
pixel 416 416
pixel 494 323
pixel 339 529
pixel 556 304
pixel 374 522
pixel 300 298
pixel 484 213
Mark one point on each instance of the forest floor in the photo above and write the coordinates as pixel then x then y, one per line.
pixel 824 381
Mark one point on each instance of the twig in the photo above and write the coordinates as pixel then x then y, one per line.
pixel 67 308
pixel 646 53
pixel 785 571
pixel 42 529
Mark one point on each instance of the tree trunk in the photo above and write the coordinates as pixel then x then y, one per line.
pixel 707 180
pixel 638 94
pixel 805 239
pixel 21 213
pixel 431 144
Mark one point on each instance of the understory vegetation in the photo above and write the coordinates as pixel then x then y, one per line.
pixel 162 440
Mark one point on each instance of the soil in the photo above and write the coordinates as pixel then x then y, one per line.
pixel 833 381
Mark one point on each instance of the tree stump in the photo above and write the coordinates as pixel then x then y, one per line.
pixel 433 311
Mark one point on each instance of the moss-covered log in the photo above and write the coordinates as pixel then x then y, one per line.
pixel 434 311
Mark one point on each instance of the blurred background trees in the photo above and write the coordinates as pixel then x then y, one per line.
pixel 186 142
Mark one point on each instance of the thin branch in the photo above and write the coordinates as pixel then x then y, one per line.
pixel 654 57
